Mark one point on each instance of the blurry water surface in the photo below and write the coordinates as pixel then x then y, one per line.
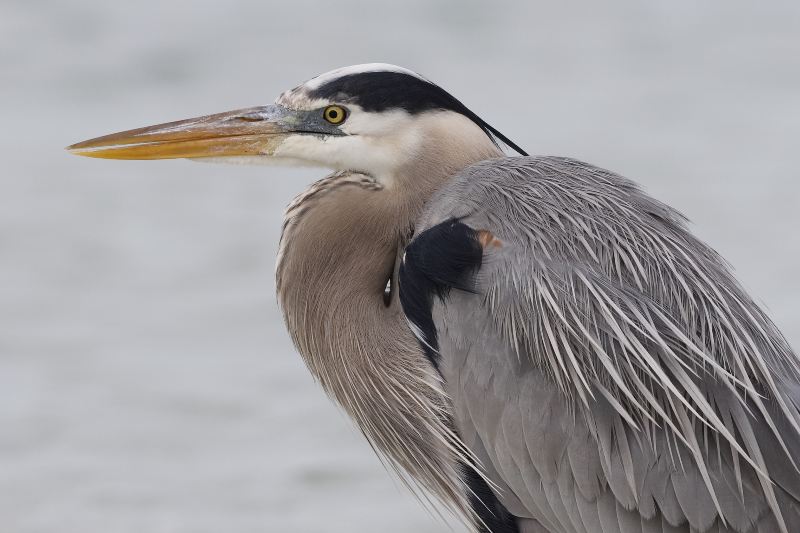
pixel 147 382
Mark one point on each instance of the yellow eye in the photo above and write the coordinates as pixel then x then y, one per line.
pixel 334 114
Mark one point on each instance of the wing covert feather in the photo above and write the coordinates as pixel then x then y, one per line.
pixel 605 368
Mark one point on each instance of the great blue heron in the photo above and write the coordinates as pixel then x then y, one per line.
pixel 533 340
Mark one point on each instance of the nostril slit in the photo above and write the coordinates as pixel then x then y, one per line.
pixel 250 118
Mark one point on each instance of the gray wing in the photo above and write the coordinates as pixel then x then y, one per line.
pixel 605 368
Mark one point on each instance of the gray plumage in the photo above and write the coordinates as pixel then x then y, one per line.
pixel 608 372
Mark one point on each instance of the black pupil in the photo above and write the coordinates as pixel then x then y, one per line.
pixel 333 114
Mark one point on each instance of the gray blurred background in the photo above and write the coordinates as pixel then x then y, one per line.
pixel 147 382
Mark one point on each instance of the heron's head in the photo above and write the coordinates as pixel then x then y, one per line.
pixel 371 118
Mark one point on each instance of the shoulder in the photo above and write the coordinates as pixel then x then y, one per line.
pixel 522 192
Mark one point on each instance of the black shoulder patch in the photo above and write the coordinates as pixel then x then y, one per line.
pixel 493 514
pixel 382 90
pixel 445 257
pixel 439 259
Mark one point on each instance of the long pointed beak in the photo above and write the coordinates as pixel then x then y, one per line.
pixel 244 132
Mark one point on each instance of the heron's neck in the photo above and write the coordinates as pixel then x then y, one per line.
pixel 337 252
pixel 335 259
pixel 340 245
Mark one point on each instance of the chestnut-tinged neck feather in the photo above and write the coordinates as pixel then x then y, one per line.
pixel 335 261
pixel 341 242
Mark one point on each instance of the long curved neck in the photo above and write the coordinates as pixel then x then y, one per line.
pixel 340 245
pixel 335 260
pixel 336 257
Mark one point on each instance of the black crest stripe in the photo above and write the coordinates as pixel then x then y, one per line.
pixel 382 90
